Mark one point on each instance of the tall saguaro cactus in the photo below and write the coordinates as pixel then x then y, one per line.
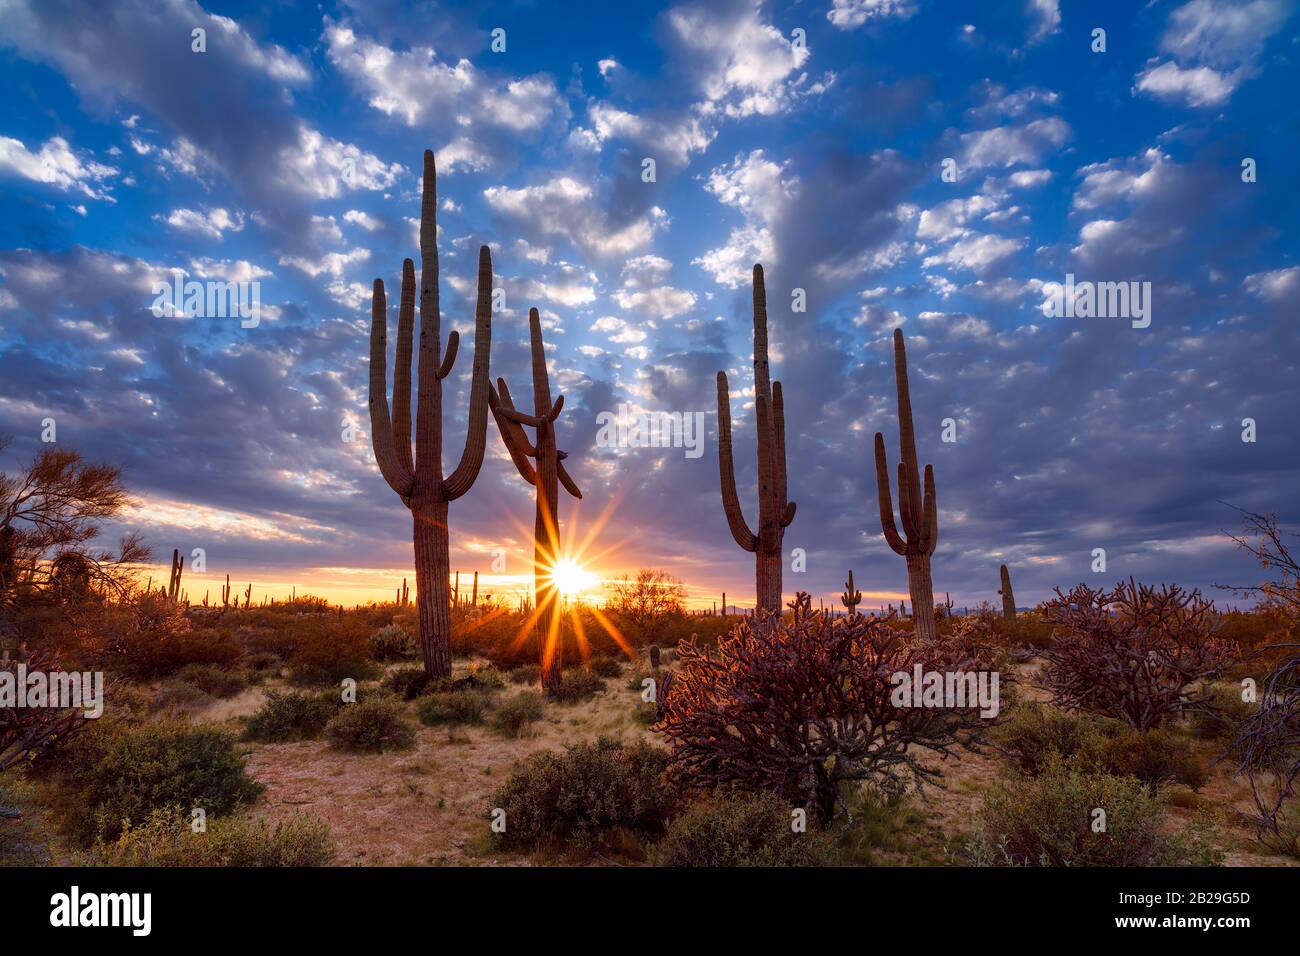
pixel 774 512
pixel 546 477
pixel 1008 599
pixel 851 597
pixel 419 482
pixel 919 516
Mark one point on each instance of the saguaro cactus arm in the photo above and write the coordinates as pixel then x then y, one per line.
pixel 778 420
pixel 886 502
pixel 400 479
pixel 471 459
pixel 727 470
pixel 402 370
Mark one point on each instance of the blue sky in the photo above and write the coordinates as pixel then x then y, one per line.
pixel 289 153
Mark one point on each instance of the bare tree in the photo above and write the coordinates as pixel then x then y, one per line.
pixel 647 599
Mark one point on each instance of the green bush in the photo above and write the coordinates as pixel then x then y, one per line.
pixel 213 680
pixel 1036 735
pixel 514 715
pixel 576 685
pixel 453 707
pixel 373 725
pixel 526 674
pixel 22 834
pixel 122 774
pixel 407 683
pixel 606 667
pixel 330 649
pixel 1049 820
pixel 292 716
pixel 571 799
pixel 1219 720
pixel 740 830
pixel 393 643
pixel 165 839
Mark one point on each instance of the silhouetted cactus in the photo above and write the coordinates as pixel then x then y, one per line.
pixel 851 596
pixel 919 516
pixel 1008 599
pixel 546 477
pixel 774 512
pixel 419 482
pixel 174 581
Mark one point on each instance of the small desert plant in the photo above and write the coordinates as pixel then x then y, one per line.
pixel 466 706
pixel 513 716
pixel 526 674
pixel 329 650
pixel 742 830
pixel 606 667
pixel 121 774
pixel 213 680
pixel 292 716
pixel 1054 820
pixel 1134 653
pixel 576 685
pixel 1222 714
pixel 373 725
pixel 166 839
pixel 407 683
pixel 569 799
pixel 393 643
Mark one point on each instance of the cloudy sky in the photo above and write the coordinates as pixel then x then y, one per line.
pixel 811 137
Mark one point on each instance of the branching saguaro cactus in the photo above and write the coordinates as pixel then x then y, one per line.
pixel 546 477
pixel 174 581
pixel 774 512
pixel 419 482
pixel 1008 599
pixel 920 516
pixel 851 597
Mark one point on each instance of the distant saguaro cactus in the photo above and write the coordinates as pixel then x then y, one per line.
pixel 419 482
pixel 774 512
pixel 174 581
pixel 851 597
pixel 1008 599
pixel 920 516
pixel 545 477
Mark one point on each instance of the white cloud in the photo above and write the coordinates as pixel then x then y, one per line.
pixel 211 222
pixel 568 208
pixel 1196 86
pixel 849 14
pixel 975 252
pixel 363 219
pixel 1013 145
pixel 674 140
pixel 1273 285
pixel 228 270
pixel 758 188
pixel 56 165
pixel 332 263
pixel 325 167
pixel 1046 17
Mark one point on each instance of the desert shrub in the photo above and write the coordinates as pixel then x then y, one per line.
pixel 576 684
pixel 392 643
pixel 292 716
pixel 1221 715
pixel 1048 821
pixel 482 676
pixel 28 733
pixel 213 680
pixel 330 649
pixel 453 707
pixel 261 662
pixel 526 674
pixel 407 683
pixel 513 716
pixel 740 829
pixel 606 667
pixel 1026 629
pixel 644 605
pixel 22 833
pixel 372 725
pixel 569 799
pixel 177 699
pixel 122 773
pixel 239 840
pixel 833 674
pixel 1037 736
pixel 1134 653
pixel 149 636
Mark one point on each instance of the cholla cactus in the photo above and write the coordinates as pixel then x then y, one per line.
pixel 546 478
pixel 920 516
pixel 419 481
pixel 774 512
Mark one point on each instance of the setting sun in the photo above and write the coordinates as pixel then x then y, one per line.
pixel 571 578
